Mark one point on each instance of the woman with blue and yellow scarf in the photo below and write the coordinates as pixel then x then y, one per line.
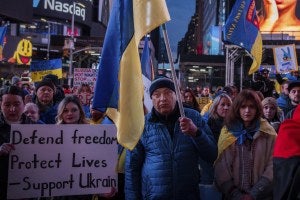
pixel 244 168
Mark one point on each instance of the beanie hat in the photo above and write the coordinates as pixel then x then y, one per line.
pixel 269 100
pixel 293 84
pixel 53 78
pixel 161 82
pixel 15 80
pixel 45 82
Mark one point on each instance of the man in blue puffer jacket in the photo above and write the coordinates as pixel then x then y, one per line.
pixel 164 163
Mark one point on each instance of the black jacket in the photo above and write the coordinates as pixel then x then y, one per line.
pixel 5 138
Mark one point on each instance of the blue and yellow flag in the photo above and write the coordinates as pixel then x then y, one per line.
pixel 119 86
pixel 39 69
pixel 2 34
pixel 147 69
pixel 241 28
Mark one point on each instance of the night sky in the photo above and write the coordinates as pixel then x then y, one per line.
pixel 180 12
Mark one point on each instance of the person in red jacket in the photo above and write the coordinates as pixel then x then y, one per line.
pixel 286 159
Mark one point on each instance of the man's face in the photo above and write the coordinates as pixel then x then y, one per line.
pixel 205 91
pixel 296 74
pixel 12 107
pixel 295 95
pixel 45 95
pixel 265 74
pixel 164 100
pixel 284 89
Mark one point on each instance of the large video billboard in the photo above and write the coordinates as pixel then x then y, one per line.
pixel 279 17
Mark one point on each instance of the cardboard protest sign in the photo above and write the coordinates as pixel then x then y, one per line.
pixel 84 75
pixel 59 160
pixel 285 58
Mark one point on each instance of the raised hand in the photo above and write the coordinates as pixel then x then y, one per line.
pixel 187 126
pixel 6 148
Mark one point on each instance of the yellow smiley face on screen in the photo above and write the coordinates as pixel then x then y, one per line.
pixel 24 52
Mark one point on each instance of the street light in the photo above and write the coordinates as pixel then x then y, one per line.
pixel 49 34
pixel 49 37
pixel 72 44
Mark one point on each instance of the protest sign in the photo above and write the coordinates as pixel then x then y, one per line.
pixel 285 58
pixel 59 160
pixel 84 75
pixel 85 98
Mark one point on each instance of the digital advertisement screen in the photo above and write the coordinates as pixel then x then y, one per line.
pixel 279 17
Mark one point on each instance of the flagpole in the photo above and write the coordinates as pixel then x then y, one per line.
pixel 166 38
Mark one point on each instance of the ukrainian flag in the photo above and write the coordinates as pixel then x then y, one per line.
pixel 241 28
pixel 119 86
pixel 147 69
pixel 2 34
pixel 39 69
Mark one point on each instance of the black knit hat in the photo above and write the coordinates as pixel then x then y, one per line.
pixel 53 78
pixel 161 82
pixel 45 82
pixel 293 84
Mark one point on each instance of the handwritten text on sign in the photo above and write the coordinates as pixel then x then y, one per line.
pixel 86 76
pixel 58 160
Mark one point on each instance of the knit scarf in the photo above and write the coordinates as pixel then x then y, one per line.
pixel 242 133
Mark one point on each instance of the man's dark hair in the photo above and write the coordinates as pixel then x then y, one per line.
pixel 13 90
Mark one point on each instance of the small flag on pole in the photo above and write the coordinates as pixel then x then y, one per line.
pixel 146 63
pixel 241 28
pixel 2 34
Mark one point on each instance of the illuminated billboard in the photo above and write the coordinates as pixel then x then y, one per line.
pixel 279 17
pixel 63 9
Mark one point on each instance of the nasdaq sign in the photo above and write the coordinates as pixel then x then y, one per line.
pixel 64 9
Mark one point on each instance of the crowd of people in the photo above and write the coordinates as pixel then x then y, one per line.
pixel 234 147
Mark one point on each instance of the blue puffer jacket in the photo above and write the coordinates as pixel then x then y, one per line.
pixel 48 116
pixel 284 103
pixel 163 168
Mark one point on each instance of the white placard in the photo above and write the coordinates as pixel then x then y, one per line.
pixel 285 58
pixel 86 76
pixel 59 160
pixel 147 99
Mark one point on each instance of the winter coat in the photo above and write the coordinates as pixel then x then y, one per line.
pixel 161 167
pixel 5 138
pixel 286 159
pixel 48 115
pixel 284 103
pixel 246 168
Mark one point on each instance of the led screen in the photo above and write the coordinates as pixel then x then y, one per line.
pixel 279 17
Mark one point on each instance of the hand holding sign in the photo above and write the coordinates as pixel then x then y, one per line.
pixel 6 148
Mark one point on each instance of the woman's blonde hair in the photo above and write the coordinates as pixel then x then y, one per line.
pixel 213 108
pixel 62 105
